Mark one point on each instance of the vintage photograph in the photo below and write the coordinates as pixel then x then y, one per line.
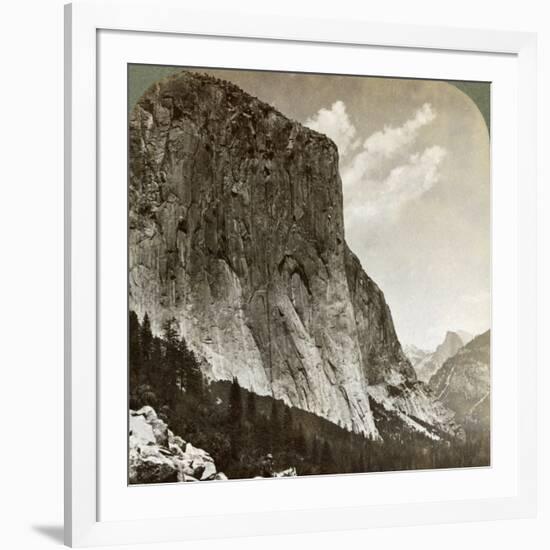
pixel 309 274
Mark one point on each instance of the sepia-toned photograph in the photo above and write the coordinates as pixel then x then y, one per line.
pixel 309 274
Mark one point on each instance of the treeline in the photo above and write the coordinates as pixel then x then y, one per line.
pixel 239 428
pixel 159 368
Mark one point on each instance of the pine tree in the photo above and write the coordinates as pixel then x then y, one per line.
pixel 146 337
pixel 275 426
pixel 263 434
pixel 235 404
pixel 300 442
pixel 170 331
pixel 327 459
pixel 189 371
pixel 234 419
pixel 314 456
pixel 287 435
pixel 153 365
pixel 170 360
pixel 251 407
pixel 134 351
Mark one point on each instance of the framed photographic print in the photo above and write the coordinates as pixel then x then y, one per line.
pixel 300 271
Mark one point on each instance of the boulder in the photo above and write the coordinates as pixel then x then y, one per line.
pixel 289 472
pixel 189 478
pixel 151 469
pixel 209 471
pixel 177 441
pixel 175 450
pixel 141 430
pixel 195 452
pixel 147 412
pixel 156 455
pixel 186 467
pixel 160 431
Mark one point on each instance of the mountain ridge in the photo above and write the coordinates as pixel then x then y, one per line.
pixel 462 383
pixel 427 363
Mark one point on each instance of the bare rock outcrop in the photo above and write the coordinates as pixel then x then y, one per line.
pixel 156 455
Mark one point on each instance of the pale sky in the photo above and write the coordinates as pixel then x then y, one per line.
pixel 414 162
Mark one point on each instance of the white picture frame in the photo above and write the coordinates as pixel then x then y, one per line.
pixel 84 525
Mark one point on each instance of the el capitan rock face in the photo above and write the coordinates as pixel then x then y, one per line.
pixel 236 230
pixel 386 363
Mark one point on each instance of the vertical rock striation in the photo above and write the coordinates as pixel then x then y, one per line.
pixel 236 230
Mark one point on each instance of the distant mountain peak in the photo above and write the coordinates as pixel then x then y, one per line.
pixel 465 336
pixel 428 363
pixel 463 382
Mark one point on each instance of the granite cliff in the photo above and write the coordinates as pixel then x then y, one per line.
pixel 236 230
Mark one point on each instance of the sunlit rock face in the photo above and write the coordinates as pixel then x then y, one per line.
pixel 236 230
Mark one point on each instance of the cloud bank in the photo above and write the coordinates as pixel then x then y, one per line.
pixel 384 173
pixel 335 124
pixel 390 140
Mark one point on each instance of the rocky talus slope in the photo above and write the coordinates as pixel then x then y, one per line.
pixel 156 455
pixel 236 230
pixel 413 403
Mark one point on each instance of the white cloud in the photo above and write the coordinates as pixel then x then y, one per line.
pixel 390 140
pixel 379 148
pixel 380 175
pixel 375 189
pixel 375 201
pixel 335 124
pixel 410 181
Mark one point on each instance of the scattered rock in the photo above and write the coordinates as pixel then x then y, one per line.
pixel 156 455
pixel 289 472
pixel 147 412
pixel 177 441
pixel 151 468
pixel 176 450
pixel 209 471
pixel 141 430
